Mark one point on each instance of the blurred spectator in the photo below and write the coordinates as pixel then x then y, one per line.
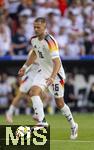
pixel 1 2
pixel 74 48
pixel 52 24
pixel 75 7
pixel 88 7
pixel 26 21
pixel 69 94
pixel 25 4
pixel 62 4
pixel 62 39
pixel 88 41
pixel 5 37
pixel 5 91
pixel 44 7
pixel 11 6
pixel 12 17
pixel 76 24
pixel 69 88
pixel 19 42
pixel 91 94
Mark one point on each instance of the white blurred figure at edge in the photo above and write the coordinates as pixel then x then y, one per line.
pixel 5 37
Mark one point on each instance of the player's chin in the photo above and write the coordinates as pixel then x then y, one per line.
pixel 37 34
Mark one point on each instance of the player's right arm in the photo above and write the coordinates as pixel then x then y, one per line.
pixel 30 60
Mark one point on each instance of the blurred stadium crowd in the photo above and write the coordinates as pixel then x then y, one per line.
pixel 70 21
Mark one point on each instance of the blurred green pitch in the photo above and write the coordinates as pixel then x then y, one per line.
pixel 60 130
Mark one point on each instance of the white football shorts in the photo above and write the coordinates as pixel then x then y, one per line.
pixel 27 79
pixel 57 89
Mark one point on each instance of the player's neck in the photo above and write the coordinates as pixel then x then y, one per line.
pixel 41 37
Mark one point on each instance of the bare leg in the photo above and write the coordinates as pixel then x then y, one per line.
pixel 13 106
pixel 17 98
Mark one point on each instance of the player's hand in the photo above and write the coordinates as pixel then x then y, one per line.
pixel 21 72
pixel 49 81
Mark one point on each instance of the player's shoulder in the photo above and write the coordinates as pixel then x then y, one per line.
pixel 32 38
pixel 51 41
pixel 50 38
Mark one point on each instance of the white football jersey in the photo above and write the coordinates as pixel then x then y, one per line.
pixel 46 50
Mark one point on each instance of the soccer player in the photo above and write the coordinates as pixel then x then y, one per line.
pixel 51 76
pixel 26 82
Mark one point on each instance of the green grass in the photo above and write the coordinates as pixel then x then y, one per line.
pixel 60 131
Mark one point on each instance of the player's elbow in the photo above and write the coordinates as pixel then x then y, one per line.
pixel 56 62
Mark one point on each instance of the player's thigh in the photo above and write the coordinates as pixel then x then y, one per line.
pixel 39 81
pixel 20 94
pixel 26 83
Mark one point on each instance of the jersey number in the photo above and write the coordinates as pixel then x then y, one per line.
pixel 40 54
pixel 55 87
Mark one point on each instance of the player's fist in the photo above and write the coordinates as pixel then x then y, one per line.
pixel 21 72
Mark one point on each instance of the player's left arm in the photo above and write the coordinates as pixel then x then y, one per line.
pixel 55 58
pixel 56 68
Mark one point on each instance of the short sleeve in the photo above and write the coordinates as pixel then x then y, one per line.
pixel 52 45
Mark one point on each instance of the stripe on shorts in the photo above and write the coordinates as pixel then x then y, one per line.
pixel 22 81
pixel 61 79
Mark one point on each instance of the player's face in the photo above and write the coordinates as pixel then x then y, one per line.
pixel 39 28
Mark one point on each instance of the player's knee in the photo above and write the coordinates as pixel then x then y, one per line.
pixel 59 103
pixel 34 92
pixel 30 93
